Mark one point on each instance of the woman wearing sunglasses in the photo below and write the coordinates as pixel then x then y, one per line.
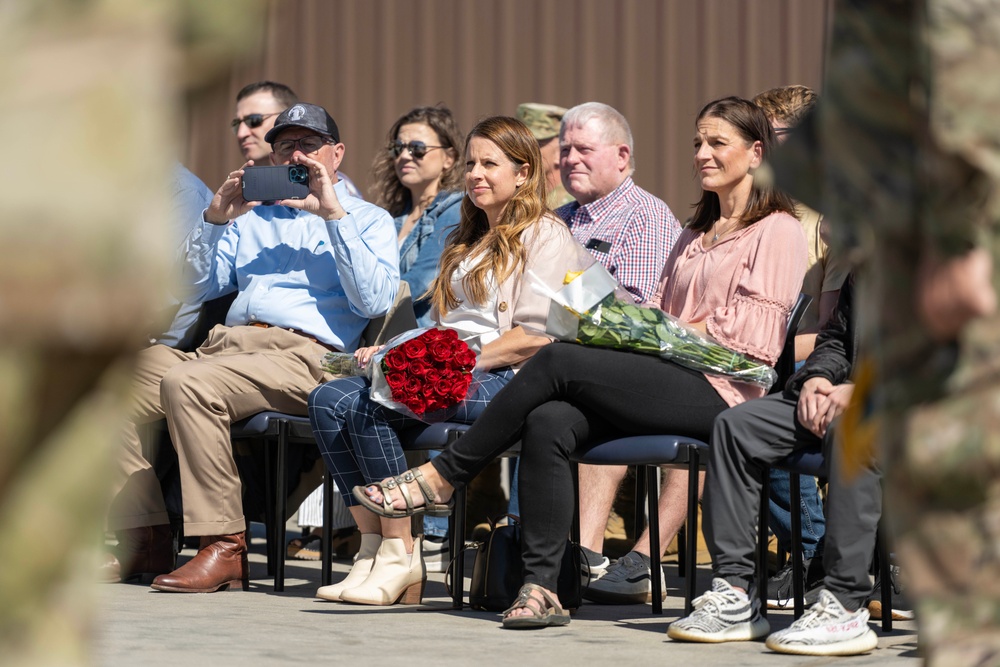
pixel 481 292
pixel 418 180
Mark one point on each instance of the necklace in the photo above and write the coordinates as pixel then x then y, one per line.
pixel 716 236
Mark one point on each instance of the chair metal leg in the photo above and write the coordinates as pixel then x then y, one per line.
pixel 327 540
pixel 798 576
pixel 279 505
pixel 638 521
pixel 652 473
pixel 690 577
pixel 762 537
pixel 269 518
pixel 682 536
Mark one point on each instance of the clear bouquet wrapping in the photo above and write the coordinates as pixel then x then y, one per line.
pixel 591 310
pixel 423 373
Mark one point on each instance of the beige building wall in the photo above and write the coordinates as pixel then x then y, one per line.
pixel 657 61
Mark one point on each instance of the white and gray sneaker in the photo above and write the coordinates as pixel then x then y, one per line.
pixel 626 581
pixel 593 566
pixel 826 629
pixel 722 614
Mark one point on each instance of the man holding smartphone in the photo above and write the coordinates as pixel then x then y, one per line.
pixel 309 274
pixel 257 107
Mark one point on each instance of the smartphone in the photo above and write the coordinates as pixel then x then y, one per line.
pixel 268 184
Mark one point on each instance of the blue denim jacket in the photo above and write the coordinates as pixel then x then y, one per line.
pixel 421 249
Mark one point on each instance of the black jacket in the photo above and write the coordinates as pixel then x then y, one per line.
pixel 836 346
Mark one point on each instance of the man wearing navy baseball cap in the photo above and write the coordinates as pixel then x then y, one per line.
pixel 309 116
pixel 309 275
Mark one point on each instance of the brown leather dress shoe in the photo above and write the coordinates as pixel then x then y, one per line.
pixel 221 562
pixel 141 554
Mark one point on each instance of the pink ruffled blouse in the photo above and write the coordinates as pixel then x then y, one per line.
pixel 743 288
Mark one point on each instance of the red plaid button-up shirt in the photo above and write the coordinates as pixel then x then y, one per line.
pixel 630 232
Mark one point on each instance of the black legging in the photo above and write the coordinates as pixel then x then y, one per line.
pixel 560 400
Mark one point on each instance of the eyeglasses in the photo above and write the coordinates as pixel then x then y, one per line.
pixel 779 131
pixel 417 149
pixel 253 120
pixel 307 145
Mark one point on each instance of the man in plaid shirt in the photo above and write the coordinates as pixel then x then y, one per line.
pixel 627 229
pixel 630 232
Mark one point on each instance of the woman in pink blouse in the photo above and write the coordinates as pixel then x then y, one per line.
pixel 735 272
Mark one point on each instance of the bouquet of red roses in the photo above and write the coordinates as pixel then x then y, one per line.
pixel 418 373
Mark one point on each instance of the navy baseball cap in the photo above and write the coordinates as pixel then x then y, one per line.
pixel 310 116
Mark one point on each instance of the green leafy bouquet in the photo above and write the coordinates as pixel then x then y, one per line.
pixel 591 310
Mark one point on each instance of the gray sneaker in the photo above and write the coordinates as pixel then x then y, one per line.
pixel 826 629
pixel 626 581
pixel 779 587
pixel 593 566
pixel 723 614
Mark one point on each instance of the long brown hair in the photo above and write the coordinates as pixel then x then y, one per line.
pixel 386 190
pixel 501 247
pixel 752 125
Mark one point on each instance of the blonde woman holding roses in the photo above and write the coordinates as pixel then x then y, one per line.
pixel 734 273
pixel 482 293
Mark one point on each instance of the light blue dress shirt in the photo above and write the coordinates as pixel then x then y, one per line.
pixel 293 269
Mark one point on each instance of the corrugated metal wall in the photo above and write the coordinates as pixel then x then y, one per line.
pixel 657 61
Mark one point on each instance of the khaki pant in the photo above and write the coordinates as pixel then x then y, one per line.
pixel 238 372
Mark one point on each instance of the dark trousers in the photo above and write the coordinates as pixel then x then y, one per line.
pixel 753 435
pixel 566 397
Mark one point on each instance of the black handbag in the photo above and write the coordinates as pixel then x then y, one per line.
pixel 498 572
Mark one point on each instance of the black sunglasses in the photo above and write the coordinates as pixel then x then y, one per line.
pixel 253 120
pixel 417 149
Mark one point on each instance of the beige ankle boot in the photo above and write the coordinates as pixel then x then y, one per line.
pixel 363 562
pixel 396 576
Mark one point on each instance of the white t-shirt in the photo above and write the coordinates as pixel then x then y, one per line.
pixel 473 321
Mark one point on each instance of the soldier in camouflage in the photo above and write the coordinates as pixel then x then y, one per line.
pixel 543 121
pixel 84 263
pixel 903 157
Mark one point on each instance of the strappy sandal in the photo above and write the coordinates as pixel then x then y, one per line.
pixel 430 508
pixel 553 615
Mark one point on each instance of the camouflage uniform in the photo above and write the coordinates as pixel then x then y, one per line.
pixel 543 120
pixel 902 155
pixel 85 220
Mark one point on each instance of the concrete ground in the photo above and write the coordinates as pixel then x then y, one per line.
pixel 140 626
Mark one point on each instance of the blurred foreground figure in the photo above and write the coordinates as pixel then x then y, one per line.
pixel 904 158
pixel 84 222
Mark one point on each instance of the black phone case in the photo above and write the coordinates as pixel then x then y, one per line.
pixel 272 183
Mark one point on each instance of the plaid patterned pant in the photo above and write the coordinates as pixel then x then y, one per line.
pixel 357 436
